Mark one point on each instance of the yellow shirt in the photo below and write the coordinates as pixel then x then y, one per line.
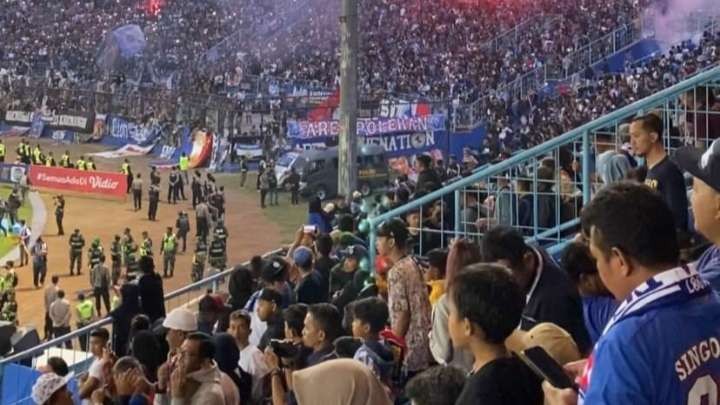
pixel 437 289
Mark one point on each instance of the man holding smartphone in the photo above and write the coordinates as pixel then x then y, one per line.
pixel 662 345
pixel 95 379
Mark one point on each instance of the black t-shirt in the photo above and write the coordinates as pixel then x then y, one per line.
pixel 505 381
pixel 311 290
pixel 668 181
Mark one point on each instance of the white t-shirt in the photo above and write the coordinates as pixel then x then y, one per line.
pixel 252 361
pixel 95 371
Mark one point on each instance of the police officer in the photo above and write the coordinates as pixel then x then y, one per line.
pixel 154 176
pixel 126 242
pixel 90 164
pixel 153 200
pixel 9 308
pixel 173 182
pixel 50 160
pixel 65 160
pixel 80 164
pixel 183 227
pixel 23 151
pixel 127 171
pixel 146 246
pixel 59 202
pixel 85 313
pixel 216 254
pixel 95 253
pixel 116 258
pixel 76 242
pixel 2 152
pixel 243 170
pixel 220 232
pixel 169 248
pixel 38 156
pixel 198 265
pixel 196 189
pixel 184 163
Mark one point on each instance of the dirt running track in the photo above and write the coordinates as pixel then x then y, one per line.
pixel 250 232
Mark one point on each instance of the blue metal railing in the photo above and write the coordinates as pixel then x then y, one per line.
pixel 580 141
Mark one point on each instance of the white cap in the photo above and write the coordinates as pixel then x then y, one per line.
pixel 181 319
pixel 48 384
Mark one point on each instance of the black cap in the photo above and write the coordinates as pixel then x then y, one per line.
pixel 703 165
pixel 273 269
pixel 268 294
pixel 356 251
pixel 394 228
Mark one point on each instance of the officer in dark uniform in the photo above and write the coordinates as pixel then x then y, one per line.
pixel 216 254
pixel 59 202
pixel 196 189
pixel 146 246
pixel 95 253
pixel 173 182
pixel 77 242
pixel 198 264
pixel 116 257
pixel 220 232
pixel 127 171
pixel 154 176
pixel 153 200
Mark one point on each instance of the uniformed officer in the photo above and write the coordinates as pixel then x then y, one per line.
pixel 146 246
pixel 220 232
pixel 65 160
pixel 59 202
pixel 126 242
pixel 95 253
pixel 169 248
pixel 184 163
pixel 132 265
pixel 85 314
pixel 38 156
pixel 90 164
pixel 127 171
pixel 216 254
pixel 76 242
pixel 116 258
pixel 153 200
pixel 50 160
pixel 198 264
pixel 9 308
pixel 2 152
pixel 80 164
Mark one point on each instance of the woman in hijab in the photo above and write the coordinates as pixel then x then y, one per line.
pixel 344 382
pixel 122 317
pixel 146 349
pixel 227 356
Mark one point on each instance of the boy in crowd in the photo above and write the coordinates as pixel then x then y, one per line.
pixel 370 316
pixel 435 274
pixel 485 307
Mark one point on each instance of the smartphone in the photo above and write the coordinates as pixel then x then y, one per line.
pixel 546 367
pixel 310 229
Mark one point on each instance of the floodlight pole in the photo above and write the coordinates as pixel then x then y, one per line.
pixel 347 142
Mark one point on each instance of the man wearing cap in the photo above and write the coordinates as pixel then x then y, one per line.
pixel 407 296
pixel 705 200
pixel 272 275
pixel 269 310
pixel 51 389
pixel 309 289
pixel 343 272
pixel 180 322
pixel 76 242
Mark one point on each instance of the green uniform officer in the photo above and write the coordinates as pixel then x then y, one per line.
pixel 169 248
pixel 84 313
pixel 76 242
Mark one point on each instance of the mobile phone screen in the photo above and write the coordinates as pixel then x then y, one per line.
pixel 546 367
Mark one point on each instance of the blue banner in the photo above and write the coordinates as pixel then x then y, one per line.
pixel 121 132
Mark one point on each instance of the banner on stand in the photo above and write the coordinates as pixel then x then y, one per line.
pixel 88 182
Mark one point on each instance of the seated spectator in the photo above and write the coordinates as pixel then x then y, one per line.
pixel 241 285
pixel 269 311
pixel 486 305
pixel 51 389
pixel 324 262
pixel 550 295
pixel 344 382
pixel 309 289
pixel 648 353
pixel 198 370
pixel 95 378
pixel 179 324
pixel 435 274
pixel 55 365
pixel 129 386
pixel 251 359
pixel 427 180
pixel 360 282
pixel 370 316
pixel 598 304
pixel 439 385
pixel 273 276
pixel 462 253
pixel 146 349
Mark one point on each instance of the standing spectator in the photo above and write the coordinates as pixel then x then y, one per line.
pixel 437 385
pixel 241 286
pixel 634 242
pixel 309 288
pixel 180 323
pixel 137 185
pixel 50 296
pixel 150 285
pixel 95 377
pixel 39 254
pixel 485 307
pixel 251 360
pixel 550 295
pixel 369 318
pixel 100 283
pixel 428 180
pixel 407 296
pixel 269 311
pixel 345 381
pixel 182 224
pixel 318 217
pixel 60 315
pixel 197 369
pixel 227 357
pixel 122 317
pixel 663 176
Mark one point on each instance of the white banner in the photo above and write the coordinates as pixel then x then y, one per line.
pixel 125 151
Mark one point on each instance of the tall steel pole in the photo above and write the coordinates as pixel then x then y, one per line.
pixel 347 149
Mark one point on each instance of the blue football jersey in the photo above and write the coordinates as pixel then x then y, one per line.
pixel 666 353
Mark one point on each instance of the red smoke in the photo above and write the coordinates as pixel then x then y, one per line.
pixel 153 7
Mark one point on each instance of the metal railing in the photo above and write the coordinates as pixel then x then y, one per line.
pixel 540 191
pixel 68 346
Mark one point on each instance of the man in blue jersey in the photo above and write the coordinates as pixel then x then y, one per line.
pixel 705 168
pixel 662 345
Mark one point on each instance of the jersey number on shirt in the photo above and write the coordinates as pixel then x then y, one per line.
pixel 704 388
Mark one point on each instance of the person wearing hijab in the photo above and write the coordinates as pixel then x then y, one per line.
pixel 122 317
pixel 227 356
pixel 344 381
pixel 144 346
